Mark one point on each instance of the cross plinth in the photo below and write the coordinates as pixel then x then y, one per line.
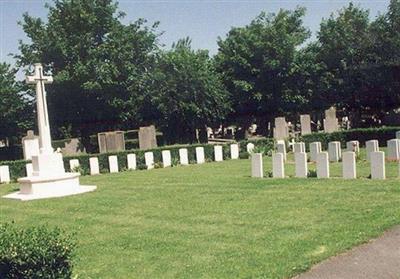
pixel 42 114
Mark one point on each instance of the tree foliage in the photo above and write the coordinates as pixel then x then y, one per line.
pixel 16 111
pixel 187 92
pixel 98 63
pixel 258 63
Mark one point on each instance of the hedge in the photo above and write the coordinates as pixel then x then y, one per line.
pixel 362 135
pixel 36 252
pixel 18 169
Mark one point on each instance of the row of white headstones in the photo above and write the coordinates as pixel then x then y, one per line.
pixel 131 161
pixel 322 159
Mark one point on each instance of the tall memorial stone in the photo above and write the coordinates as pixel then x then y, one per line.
pixel 147 137
pixel 331 123
pixel 30 145
pixel 281 130
pixel 48 178
pixel 111 141
pixel 305 124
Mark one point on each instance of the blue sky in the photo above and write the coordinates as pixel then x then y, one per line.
pixel 203 21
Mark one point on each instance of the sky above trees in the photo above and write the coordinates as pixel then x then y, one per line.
pixel 202 21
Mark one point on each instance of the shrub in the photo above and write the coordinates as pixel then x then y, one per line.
pixel 36 252
pixel 362 135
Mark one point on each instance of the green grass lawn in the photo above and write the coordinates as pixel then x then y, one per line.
pixel 214 221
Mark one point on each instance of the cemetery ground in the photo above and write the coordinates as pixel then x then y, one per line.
pixel 213 220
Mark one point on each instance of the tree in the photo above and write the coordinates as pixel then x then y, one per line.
pixel 187 93
pixel 16 111
pixel 258 65
pixel 98 64
pixel 356 54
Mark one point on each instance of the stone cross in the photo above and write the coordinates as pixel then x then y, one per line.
pixel 43 118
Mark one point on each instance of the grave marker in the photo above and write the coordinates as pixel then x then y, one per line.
pixel 300 159
pixel 323 165
pixel 183 156
pixel 378 165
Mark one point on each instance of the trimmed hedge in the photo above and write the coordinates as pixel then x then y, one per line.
pixel 17 168
pixel 362 135
pixel 36 252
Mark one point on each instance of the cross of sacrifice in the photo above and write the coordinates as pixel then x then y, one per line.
pixel 43 119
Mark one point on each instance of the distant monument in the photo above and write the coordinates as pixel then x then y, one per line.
pixel 48 178
pixel 111 141
pixel 30 145
pixel 281 130
pixel 331 123
pixel 147 137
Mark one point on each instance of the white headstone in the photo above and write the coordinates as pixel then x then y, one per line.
pixel 393 150
pixel 315 148
pixel 166 158
pixel 30 145
pixel 257 165
pixel 281 148
pixel 353 146
pixel 4 174
pixel 349 165
pixel 183 156
pixel 29 169
pixel 334 150
pixel 378 165
pixel 331 123
pixel 218 153
pixel 200 155
pixel 300 159
pixel 113 163
pixel 278 167
pixel 281 130
pixel 299 147
pixel 323 165
pixel 131 160
pixel 94 166
pixel 234 151
pixel 398 135
pixel 371 146
pixel 149 160
pixel 250 147
pixel 305 124
pixel 73 164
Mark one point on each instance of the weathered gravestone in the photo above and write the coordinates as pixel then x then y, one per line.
pixel 281 130
pixel 147 137
pixel 111 141
pixel 72 147
pixel 30 145
pixel 331 123
pixel 305 124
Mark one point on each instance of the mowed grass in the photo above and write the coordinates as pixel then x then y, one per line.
pixel 214 221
